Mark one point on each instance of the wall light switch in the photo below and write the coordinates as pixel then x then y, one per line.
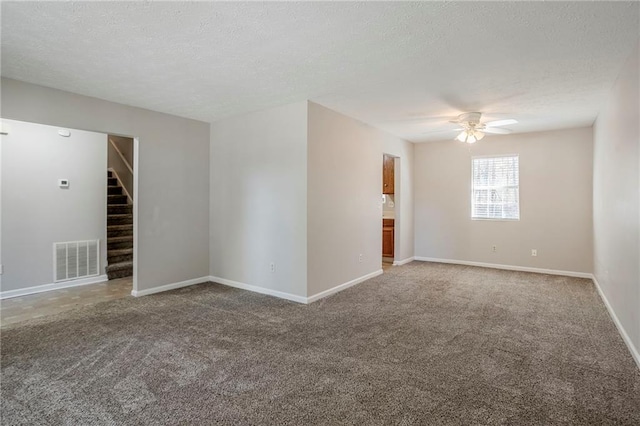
pixel 63 183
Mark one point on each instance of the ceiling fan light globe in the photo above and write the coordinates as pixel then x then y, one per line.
pixel 478 135
pixel 462 137
pixel 471 139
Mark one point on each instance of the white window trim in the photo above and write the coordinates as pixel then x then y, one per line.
pixel 471 191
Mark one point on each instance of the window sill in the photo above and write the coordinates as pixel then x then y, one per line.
pixel 485 219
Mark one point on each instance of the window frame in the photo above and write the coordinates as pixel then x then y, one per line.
pixel 471 194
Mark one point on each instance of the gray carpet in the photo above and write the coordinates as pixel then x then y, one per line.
pixel 422 344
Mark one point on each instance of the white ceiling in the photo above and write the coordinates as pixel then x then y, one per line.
pixel 548 65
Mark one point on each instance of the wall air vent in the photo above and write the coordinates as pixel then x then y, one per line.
pixel 76 259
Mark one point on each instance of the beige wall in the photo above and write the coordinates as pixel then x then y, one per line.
pixel 119 165
pixel 259 199
pixel 616 203
pixel 125 145
pixel 555 202
pixel 344 214
pixel 173 208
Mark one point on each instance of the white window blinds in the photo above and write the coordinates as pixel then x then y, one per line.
pixel 495 190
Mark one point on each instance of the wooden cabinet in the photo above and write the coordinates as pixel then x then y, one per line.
pixel 388 179
pixel 387 237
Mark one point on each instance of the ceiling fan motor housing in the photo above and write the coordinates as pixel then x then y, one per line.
pixel 470 117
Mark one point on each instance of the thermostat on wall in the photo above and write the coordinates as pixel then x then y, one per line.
pixel 63 183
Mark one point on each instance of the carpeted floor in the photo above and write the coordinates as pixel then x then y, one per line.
pixel 422 344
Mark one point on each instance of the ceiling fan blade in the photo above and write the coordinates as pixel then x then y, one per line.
pixel 498 123
pixel 435 132
pixel 496 131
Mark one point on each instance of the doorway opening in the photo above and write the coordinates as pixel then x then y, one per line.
pixel 389 209
pixel 120 196
pixel 67 169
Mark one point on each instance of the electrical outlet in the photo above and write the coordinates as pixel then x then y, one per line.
pixel 360 258
pixel 534 252
pixel 494 249
pixel 272 267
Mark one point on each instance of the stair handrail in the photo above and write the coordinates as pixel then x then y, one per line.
pixel 124 188
pixel 122 157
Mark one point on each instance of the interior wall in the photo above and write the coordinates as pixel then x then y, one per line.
pixel 616 200
pixel 344 214
pixel 121 165
pixel 259 199
pixel 555 202
pixel 173 175
pixel 388 206
pixel 36 211
pixel 125 145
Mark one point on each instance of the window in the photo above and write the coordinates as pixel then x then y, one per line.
pixel 495 192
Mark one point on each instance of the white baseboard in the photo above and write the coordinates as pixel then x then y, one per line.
pixel 403 261
pixel 507 267
pixel 634 351
pixel 53 286
pixel 293 297
pixel 167 287
pixel 261 290
pixel 343 286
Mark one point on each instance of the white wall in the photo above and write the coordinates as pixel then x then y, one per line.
pixel 555 202
pixel 36 211
pixel 173 175
pixel 259 199
pixel 344 197
pixel 388 206
pixel 616 203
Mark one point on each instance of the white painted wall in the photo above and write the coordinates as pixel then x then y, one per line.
pixel 259 199
pixel 344 214
pixel 173 175
pixel 555 202
pixel 616 200
pixel 36 211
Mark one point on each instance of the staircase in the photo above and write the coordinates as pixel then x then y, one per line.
pixel 119 231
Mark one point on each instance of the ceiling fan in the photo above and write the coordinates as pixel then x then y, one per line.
pixel 472 130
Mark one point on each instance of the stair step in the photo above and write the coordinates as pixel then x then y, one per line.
pixel 116 199
pixel 119 265
pixel 121 255
pixel 119 219
pixel 120 242
pixel 119 270
pixel 109 173
pixel 114 190
pixel 120 209
pixel 119 230
pixel 112 181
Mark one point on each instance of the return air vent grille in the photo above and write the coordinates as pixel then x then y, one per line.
pixel 76 259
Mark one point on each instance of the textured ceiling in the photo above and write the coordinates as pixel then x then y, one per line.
pixel 397 66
